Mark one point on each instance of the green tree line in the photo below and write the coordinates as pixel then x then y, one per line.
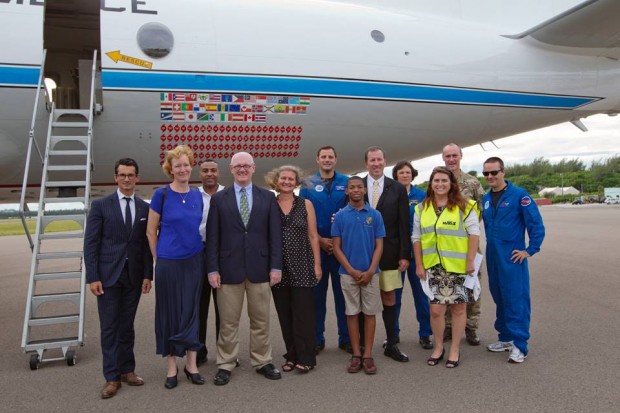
pixel 14 213
pixel 541 173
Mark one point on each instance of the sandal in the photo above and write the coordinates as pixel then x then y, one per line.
pixel 453 363
pixel 302 368
pixel 368 364
pixel 355 364
pixel 288 366
pixel 433 361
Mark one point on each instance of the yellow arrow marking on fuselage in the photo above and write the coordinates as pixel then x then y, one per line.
pixel 116 56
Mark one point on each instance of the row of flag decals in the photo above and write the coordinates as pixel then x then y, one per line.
pixel 219 108
pixel 218 125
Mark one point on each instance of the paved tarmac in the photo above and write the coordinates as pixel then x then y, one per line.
pixel 573 365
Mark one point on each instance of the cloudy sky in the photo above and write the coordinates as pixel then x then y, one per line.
pixel 553 143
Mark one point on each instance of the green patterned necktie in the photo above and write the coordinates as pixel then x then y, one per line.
pixel 244 207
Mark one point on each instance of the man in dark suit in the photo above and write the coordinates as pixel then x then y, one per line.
pixel 244 257
pixel 119 267
pixel 390 199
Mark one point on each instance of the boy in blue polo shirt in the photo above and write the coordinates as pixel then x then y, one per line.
pixel 358 233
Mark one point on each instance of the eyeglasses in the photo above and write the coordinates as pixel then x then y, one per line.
pixel 493 173
pixel 240 167
pixel 126 176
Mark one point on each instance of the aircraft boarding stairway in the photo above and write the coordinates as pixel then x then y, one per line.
pixel 54 317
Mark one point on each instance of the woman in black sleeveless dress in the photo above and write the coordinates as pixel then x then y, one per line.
pixel 301 270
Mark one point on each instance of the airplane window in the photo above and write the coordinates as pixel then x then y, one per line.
pixel 155 40
pixel 377 36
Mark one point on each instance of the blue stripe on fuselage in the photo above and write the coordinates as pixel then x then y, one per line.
pixel 19 76
pixel 196 82
pixel 253 84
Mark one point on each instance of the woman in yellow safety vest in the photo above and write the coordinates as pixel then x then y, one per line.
pixel 446 230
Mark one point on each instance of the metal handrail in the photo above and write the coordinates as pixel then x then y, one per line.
pixel 89 160
pixel 31 142
pixel 35 247
pixel 89 154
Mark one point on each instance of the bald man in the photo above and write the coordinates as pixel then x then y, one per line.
pixel 244 258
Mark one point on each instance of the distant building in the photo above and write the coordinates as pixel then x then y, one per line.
pixel 558 190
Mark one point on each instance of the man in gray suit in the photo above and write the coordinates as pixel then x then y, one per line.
pixel 119 266
pixel 244 257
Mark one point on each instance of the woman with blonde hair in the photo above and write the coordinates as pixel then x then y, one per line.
pixel 301 270
pixel 176 245
pixel 446 230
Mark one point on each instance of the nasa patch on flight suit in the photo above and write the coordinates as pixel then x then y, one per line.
pixel 486 205
pixel 526 201
pixel 318 188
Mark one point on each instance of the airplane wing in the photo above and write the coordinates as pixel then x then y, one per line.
pixel 592 24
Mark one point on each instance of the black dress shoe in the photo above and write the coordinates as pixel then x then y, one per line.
pixel 270 372
pixel 171 382
pixel 426 343
pixel 222 377
pixel 396 341
pixel 394 353
pixel 195 378
pixel 201 356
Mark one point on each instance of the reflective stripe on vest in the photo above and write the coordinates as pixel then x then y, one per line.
pixel 444 239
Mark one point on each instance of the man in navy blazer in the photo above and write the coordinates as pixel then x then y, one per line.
pixel 244 257
pixel 389 198
pixel 119 267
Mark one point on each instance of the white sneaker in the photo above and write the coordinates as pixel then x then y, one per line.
pixel 500 346
pixel 516 356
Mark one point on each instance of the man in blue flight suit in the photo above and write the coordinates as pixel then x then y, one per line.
pixel 326 191
pixel 508 211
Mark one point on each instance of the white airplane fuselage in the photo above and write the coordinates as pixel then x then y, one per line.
pixel 279 79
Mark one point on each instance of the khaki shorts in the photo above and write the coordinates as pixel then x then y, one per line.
pixel 390 280
pixel 357 298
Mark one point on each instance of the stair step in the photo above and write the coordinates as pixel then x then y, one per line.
pixel 52 320
pixel 46 219
pixel 46 298
pixel 58 255
pixel 65 275
pixel 51 343
pixel 57 200
pixel 63 138
pixel 68 152
pixel 66 167
pixel 80 112
pixel 59 124
pixel 62 235
pixel 57 184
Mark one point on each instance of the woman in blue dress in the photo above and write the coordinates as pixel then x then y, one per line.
pixel 177 248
